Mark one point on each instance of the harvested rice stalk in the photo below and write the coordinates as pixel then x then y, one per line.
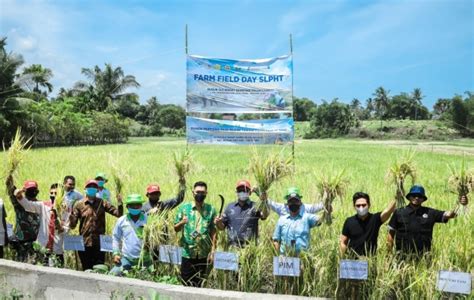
pixel 16 153
pixel 331 186
pixel 399 171
pixel 58 201
pixel 119 175
pixel 460 182
pixel 157 231
pixel 182 162
pixel 267 169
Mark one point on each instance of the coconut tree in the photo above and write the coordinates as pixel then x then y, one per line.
pixel 106 85
pixel 40 77
pixel 416 97
pixel 381 101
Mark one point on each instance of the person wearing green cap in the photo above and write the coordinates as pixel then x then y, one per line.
pixel 127 236
pixel 292 232
pixel 103 193
pixel 282 208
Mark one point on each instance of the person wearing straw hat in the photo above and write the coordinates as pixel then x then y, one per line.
pixel 292 232
pixel 411 227
pixel 27 223
pixel 90 211
pixel 102 193
pixel 241 217
pixel 127 237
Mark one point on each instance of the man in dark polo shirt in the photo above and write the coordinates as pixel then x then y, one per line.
pixel 412 226
pixel 360 232
pixel 241 217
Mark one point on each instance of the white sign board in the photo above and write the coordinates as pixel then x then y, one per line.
pixel 74 242
pixel 226 261
pixel 9 230
pixel 286 266
pixel 170 254
pixel 454 282
pixel 354 269
pixel 106 243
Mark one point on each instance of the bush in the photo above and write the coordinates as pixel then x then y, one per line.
pixel 331 120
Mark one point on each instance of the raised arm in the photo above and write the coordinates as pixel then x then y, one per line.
pixel 110 209
pixel 387 212
pixel 172 203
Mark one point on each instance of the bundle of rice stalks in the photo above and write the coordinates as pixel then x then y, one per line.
pixel 119 175
pixel 182 162
pixel 157 231
pixel 58 201
pixel 267 169
pixel 331 186
pixel 461 181
pixel 399 171
pixel 16 153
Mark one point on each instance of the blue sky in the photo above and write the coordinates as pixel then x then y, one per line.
pixel 342 49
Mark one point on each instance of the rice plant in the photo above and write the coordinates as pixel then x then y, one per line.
pixel 16 153
pixel 460 182
pixel 402 169
pixel 331 185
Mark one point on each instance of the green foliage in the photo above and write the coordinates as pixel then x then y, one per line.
pixel 332 120
pixel 303 109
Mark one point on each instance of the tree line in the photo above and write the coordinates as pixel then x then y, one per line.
pixel 335 118
pixel 96 110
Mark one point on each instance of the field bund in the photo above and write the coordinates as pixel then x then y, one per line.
pixel 37 282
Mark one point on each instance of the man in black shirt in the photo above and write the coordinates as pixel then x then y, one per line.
pixel 412 226
pixel 360 232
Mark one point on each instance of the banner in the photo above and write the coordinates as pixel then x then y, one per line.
pixel 239 86
pixel 208 131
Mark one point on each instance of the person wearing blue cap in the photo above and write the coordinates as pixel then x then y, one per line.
pixel 411 227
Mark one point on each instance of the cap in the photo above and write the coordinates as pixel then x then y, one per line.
pixel 152 188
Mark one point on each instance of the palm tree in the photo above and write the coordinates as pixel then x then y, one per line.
pixel 416 97
pixel 381 100
pixel 40 76
pixel 107 85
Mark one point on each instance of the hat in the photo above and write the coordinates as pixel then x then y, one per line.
pixel 101 175
pixel 293 192
pixel 244 183
pixel 417 190
pixel 30 184
pixel 134 199
pixel 152 188
pixel 91 182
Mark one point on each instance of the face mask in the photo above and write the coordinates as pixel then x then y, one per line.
pixel 52 197
pixel 362 211
pixel 134 211
pixel 199 197
pixel 101 183
pixel 31 193
pixel 242 196
pixel 91 192
pixel 294 207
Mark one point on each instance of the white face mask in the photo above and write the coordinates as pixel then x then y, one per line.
pixel 243 196
pixel 362 211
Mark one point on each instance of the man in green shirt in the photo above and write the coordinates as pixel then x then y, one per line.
pixel 196 221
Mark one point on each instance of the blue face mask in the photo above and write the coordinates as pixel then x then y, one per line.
pixel 134 211
pixel 91 192
pixel 101 183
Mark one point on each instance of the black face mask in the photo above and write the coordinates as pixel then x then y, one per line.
pixel 31 193
pixel 294 207
pixel 199 197
pixel 51 197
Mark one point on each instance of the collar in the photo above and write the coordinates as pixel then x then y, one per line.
pixel 247 203
pixel 194 206
pixel 140 218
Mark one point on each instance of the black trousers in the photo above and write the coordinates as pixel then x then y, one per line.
pixel 194 271
pixel 91 256
pixel 1 251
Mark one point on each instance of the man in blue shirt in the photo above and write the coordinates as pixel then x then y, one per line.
pixel 71 196
pixel 127 237
pixel 241 217
pixel 292 233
